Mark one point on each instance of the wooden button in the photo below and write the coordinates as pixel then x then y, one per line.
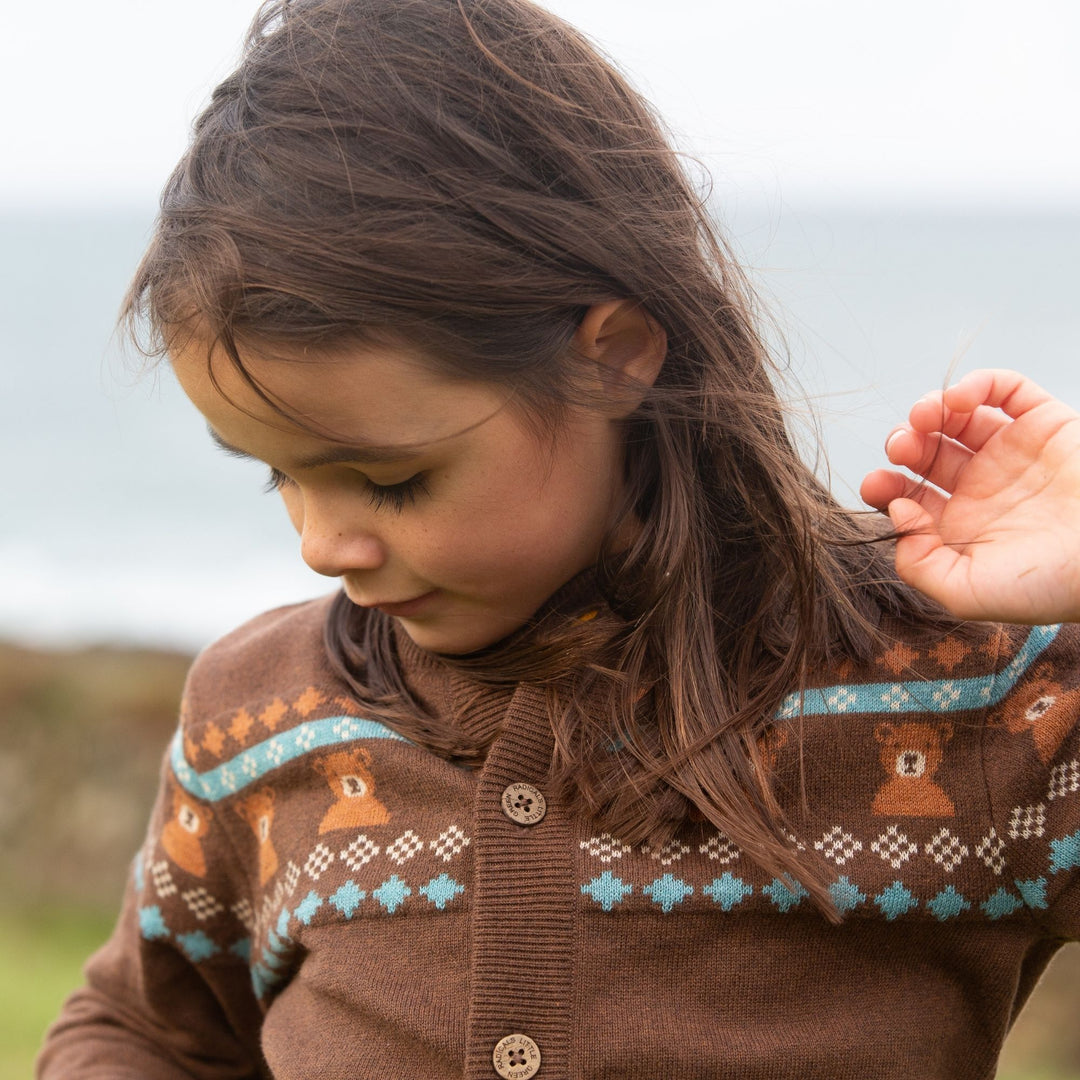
pixel 524 804
pixel 516 1057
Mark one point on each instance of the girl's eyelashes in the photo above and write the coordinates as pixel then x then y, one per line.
pixel 393 496
pixel 276 481
pixel 397 496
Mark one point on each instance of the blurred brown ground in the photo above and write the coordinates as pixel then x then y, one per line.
pixel 81 739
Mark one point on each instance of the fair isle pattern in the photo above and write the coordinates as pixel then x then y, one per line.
pixel 945 850
pixel 252 764
pixel 298 900
pixel 929 696
pixel 391 896
pixel 728 892
pixel 362 850
pixel 938 696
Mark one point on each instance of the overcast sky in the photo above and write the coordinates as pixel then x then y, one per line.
pixel 961 101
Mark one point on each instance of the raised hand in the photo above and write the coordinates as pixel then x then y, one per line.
pixel 993 528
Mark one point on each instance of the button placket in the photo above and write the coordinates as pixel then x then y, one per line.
pixel 518 829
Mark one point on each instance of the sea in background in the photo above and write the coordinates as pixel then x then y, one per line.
pixel 121 523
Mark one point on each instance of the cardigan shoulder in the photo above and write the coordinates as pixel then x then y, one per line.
pixel 278 656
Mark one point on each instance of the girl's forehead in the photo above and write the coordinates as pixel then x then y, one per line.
pixel 378 396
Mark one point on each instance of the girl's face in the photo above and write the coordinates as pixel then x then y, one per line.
pixel 429 497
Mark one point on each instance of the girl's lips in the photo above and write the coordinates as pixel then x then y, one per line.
pixel 406 607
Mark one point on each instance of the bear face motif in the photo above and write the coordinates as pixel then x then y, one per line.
pixel 1044 708
pixel 911 754
pixel 182 835
pixel 258 811
pixel 353 785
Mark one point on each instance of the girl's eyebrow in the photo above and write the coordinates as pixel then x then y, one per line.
pixel 367 453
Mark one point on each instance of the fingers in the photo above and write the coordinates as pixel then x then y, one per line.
pixel 971 412
pixel 884 486
pixel 973 429
pixel 982 405
pixel 998 388
pixel 922 560
pixel 933 457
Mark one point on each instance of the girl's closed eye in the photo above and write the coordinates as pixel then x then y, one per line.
pixel 276 481
pixel 395 496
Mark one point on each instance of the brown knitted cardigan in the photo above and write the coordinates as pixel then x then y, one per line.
pixel 318 897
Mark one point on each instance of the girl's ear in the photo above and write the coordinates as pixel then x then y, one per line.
pixel 628 346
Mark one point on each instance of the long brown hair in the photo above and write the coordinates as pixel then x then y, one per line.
pixel 469 176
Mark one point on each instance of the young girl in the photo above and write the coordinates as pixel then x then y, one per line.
pixel 623 750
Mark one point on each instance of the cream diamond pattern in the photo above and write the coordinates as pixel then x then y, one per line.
pixel 450 843
pixel 1027 821
pixel 1064 780
pixel 605 847
pixel 991 849
pixel 318 861
pixel 946 850
pixel 161 876
pixel 359 853
pixel 837 845
pixel 843 699
pixel 405 847
pixel 201 904
pixel 894 847
pixel 670 853
pixel 243 910
pixel 946 695
pixel 292 876
pixel 720 848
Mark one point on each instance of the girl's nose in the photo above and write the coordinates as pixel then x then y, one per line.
pixel 334 545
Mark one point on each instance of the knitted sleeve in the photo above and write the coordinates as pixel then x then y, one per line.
pixel 170 995
pixel 1033 774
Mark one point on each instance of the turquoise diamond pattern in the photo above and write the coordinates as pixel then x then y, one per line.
pixel 1002 903
pixel 152 923
pixel 197 946
pixel 607 890
pixel 270 969
pixel 1033 892
pixel 441 890
pixel 783 897
pixel 392 893
pixel 276 946
pixel 261 980
pixel 728 891
pixel 1065 853
pixel 305 910
pixel 347 898
pixel 948 904
pixel 668 891
pixel 846 896
pixel 895 901
pixel 242 949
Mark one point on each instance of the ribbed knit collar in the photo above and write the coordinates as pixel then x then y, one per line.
pixel 476 707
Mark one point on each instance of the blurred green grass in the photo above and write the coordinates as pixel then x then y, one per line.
pixel 43 950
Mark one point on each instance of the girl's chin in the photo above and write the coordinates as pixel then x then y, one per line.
pixel 458 635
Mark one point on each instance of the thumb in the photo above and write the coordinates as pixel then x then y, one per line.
pixel 922 559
